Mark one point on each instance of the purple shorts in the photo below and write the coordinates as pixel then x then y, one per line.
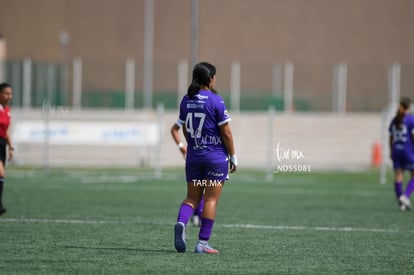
pixel 209 171
pixel 401 160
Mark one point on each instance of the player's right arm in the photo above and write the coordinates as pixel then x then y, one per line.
pixel 176 136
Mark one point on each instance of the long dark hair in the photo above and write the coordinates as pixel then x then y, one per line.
pixel 405 103
pixel 202 74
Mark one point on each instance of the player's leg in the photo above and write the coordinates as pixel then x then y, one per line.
pixel 194 175
pixel 196 218
pixel 398 182
pixel 216 175
pixel 398 187
pixel 410 184
pixel 200 207
pixel 405 198
pixel 211 199
pixel 398 165
pixel 194 194
pixel 2 173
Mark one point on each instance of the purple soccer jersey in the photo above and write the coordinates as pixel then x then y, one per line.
pixel 403 144
pixel 201 116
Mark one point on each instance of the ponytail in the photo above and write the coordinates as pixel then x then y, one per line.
pixel 202 74
pixel 405 103
pixel 399 117
pixel 193 89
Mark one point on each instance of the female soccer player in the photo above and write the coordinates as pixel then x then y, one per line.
pixel 6 95
pixel 196 218
pixel 402 151
pixel 205 121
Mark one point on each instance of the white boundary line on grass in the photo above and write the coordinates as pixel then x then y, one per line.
pixel 245 226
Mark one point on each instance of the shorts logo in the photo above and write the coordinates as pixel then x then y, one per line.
pixel 214 174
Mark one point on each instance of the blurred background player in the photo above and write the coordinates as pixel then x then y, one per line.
pixel 196 218
pixel 6 95
pixel 402 151
pixel 210 143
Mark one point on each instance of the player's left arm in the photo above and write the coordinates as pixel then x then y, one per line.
pixel 11 148
pixel 223 119
pixel 390 139
pixel 411 128
pixel 227 137
pixel 412 134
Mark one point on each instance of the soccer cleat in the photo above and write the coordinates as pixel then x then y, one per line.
pixel 405 201
pixel 402 207
pixel 202 248
pixel 195 220
pixel 2 210
pixel 179 237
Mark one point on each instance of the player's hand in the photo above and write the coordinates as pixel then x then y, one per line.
pixel 10 157
pixel 233 164
pixel 183 151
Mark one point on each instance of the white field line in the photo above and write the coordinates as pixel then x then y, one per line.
pixel 310 228
pixel 243 226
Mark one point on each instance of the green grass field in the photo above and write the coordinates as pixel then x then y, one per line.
pixel 91 221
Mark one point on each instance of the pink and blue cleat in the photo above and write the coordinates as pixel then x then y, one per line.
pixel 204 248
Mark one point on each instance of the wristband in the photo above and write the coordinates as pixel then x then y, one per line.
pixel 180 145
pixel 233 159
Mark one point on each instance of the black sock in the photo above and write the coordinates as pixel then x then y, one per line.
pixel 1 191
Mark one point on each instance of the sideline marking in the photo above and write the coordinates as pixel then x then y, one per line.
pixel 245 226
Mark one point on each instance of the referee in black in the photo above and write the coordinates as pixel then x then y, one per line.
pixel 6 94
